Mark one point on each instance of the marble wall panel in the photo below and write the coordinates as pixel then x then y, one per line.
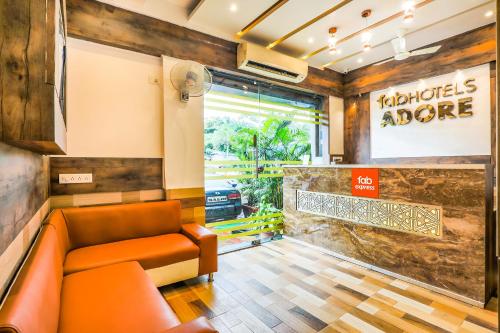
pixel 457 262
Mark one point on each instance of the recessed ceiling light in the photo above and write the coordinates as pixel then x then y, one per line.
pixel 409 11
pixel 310 40
pixel 489 13
pixel 360 60
pixel 233 7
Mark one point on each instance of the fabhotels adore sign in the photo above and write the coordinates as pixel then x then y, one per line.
pixel 447 115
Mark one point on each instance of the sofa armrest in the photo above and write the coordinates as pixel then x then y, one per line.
pixel 207 242
pixel 199 325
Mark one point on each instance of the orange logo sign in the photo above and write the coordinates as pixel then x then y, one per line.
pixel 365 183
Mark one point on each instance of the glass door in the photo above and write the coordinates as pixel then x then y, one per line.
pixel 249 136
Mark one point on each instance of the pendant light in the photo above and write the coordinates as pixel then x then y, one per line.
pixel 409 11
pixel 332 40
pixel 366 36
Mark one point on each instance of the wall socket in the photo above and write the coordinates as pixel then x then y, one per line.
pixel 75 178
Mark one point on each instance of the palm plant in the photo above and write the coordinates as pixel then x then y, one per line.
pixel 277 140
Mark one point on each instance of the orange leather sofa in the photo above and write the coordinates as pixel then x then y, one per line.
pixel 96 269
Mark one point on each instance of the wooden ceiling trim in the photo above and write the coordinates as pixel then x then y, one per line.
pixel 105 24
pixel 308 23
pixel 466 50
pixel 261 18
pixel 373 26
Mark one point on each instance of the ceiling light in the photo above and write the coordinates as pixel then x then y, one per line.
pixel 366 36
pixel 489 13
pixel 310 40
pixel 360 60
pixel 233 7
pixel 409 11
pixel 421 84
pixel 332 40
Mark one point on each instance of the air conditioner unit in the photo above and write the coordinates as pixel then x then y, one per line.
pixel 259 60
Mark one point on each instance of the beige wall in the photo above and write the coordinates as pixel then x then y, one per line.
pixel 114 104
pixel 184 139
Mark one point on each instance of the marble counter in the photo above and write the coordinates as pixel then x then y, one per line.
pixel 457 262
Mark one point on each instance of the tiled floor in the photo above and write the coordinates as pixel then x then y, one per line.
pixel 285 287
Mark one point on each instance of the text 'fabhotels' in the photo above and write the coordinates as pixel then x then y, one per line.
pixel 432 101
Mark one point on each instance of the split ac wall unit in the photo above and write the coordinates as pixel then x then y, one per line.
pixel 259 60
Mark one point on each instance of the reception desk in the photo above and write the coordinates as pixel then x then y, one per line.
pixel 431 225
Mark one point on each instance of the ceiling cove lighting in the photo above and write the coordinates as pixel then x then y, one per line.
pixel 367 35
pixel 409 11
pixel 332 40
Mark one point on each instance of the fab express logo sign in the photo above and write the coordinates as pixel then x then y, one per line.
pixel 365 183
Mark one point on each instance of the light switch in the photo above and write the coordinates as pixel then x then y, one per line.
pixel 75 178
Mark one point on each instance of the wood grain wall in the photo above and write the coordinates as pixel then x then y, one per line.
pixel 23 205
pixel 106 24
pixel 463 51
pixel 23 190
pixel 120 180
pixel 109 174
pixel 28 113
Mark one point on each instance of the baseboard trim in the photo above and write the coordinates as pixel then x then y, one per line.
pixel 389 273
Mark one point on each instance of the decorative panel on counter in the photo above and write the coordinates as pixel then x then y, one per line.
pixel 457 262
pixel 32 66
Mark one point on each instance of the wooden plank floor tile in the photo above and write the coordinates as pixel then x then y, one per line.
pixel 283 287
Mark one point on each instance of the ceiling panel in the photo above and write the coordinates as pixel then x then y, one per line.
pixel 347 20
pixel 437 20
pixel 427 28
pixel 291 16
pixel 217 14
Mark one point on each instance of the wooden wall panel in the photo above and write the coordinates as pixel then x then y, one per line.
pixel 23 190
pixel 357 129
pixel 109 174
pixel 28 111
pixel 462 51
pixel 192 203
pixel 467 50
pixel 106 24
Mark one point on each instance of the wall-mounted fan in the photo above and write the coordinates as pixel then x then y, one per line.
pixel 401 53
pixel 191 79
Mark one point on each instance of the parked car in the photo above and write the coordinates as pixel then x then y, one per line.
pixel 222 204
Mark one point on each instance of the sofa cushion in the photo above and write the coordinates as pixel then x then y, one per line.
pixel 106 224
pixel 116 298
pixel 32 304
pixel 150 252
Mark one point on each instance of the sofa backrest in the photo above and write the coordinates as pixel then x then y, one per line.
pixel 105 224
pixel 33 302
pixel 58 222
